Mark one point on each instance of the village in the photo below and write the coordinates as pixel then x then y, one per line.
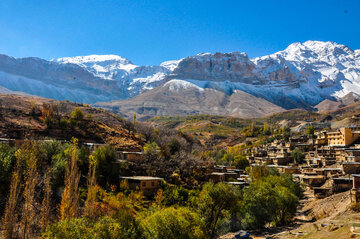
pixel 331 161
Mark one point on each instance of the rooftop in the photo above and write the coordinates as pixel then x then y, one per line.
pixel 142 178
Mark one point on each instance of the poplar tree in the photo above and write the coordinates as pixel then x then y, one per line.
pixel 69 206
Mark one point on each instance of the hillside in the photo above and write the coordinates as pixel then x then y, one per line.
pixel 22 117
pixel 181 98
pixel 223 131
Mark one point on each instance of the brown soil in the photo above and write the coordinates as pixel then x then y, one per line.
pixel 21 118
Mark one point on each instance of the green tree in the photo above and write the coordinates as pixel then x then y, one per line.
pixel 151 148
pixel 106 171
pixel 105 227
pixel 77 114
pixel 7 164
pixel 298 156
pixel 241 162
pixel 310 130
pixel 269 200
pixel 215 203
pixel 173 223
pixel 174 146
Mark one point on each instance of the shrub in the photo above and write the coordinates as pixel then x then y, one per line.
pixel 79 228
pixel 298 156
pixel 241 162
pixel 77 114
pixel 174 223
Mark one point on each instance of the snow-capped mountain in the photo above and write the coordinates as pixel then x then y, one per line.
pixel 302 75
pixel 104 66
pixel 134 79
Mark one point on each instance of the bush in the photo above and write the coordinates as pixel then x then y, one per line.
pixel 173 223
pixel 241 162
pixel 272 199
pixel 298 156
pixel 77 114
pixel 106 227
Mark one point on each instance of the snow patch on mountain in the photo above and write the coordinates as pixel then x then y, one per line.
pixel 327 68
pixel 170 65
pixel 176 85
pixel 104 66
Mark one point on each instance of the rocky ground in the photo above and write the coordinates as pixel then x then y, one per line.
pixel 330 217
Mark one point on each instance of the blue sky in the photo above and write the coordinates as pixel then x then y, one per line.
pixel 150 32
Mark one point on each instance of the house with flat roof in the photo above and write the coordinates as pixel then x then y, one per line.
pixel 216 177
pixel 129 155
pixel 148 185
pixel 351 167
pixel 343 136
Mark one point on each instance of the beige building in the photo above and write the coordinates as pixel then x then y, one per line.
pixel 343 136
pixel 149 185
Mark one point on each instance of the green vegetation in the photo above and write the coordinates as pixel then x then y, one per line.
pixel 77 114
pixel 298 156
pixel 94 205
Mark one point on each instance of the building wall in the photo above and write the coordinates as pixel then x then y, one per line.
pixel 149 184
pixel 344 137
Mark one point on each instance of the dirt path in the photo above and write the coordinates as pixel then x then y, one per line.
pixel 316 218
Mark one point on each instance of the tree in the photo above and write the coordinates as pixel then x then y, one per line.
pixel 11 210
pixel 310 130
pixel 215 203
pixel 241 162
pixel 134 120
pixel 104 159
pixel 272 199
pixel 180 223
pixel 174 146
pixel 258 171
pixel 298 156
pixel 7 164
pixel 69 206
pixel 31 180
pixel 77 114
pixel 91 184
pixel 46 202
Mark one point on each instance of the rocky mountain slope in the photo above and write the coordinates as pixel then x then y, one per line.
pixel 179 97
pixel 301 76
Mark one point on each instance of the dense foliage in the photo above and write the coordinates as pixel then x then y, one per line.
pixel 54 189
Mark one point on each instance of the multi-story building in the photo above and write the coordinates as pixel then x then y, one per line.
pixel 343 136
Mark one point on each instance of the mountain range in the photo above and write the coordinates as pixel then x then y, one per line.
pixel 311 75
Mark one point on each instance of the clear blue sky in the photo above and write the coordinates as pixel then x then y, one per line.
pixel 149 32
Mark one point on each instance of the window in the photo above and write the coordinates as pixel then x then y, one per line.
pixel 153 184
pixel 143 184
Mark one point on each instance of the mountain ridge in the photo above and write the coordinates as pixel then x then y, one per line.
pixel 301 76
